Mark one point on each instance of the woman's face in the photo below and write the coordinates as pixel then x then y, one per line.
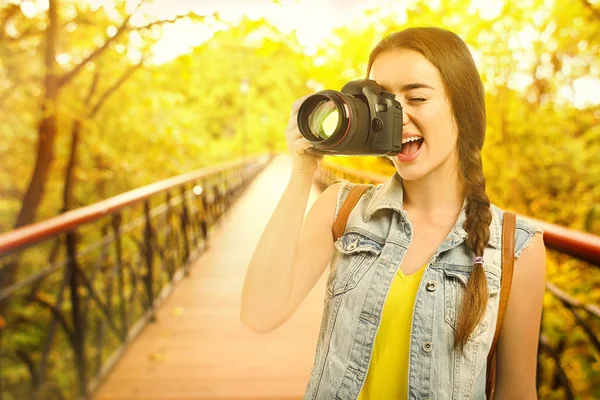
pixel 418 86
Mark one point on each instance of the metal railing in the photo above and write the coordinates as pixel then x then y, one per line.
pixel 77 288
pixel 563 364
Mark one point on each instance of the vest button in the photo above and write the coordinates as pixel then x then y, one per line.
pixel 352 245
pixel 427 346
pixel 431 285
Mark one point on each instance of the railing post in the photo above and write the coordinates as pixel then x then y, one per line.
pixel 216 204
pixel 116 224
pixel 171 244
pixel 184 229
pixel 204 218
pixel 78 323
pixel 227 194
pixel 149 255
pixel 99 339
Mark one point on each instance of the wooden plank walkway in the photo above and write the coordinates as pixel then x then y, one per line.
pixel 198 348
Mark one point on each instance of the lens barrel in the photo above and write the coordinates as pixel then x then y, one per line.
pixel 331 120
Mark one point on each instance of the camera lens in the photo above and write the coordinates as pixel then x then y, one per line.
pixel 334 121
pixel 320 117
pixel 323 119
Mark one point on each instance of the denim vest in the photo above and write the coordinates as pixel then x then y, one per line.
pixel 368 256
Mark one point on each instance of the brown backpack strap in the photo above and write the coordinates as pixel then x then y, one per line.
pixel 339 225
pixel 508 262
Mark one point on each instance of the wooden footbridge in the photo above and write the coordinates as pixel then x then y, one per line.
pixel 198 348
pixel 138 296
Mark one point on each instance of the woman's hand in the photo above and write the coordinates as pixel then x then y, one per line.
pixel 302 163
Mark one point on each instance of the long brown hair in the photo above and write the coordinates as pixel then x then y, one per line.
pixel 463 86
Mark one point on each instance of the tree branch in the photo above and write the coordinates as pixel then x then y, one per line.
pixel 114 87
pixel 75 137
pixel 28 361
pixel 93 87
pixel 67 77
pixel 589 6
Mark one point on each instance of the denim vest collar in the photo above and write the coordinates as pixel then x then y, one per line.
pixel 391 194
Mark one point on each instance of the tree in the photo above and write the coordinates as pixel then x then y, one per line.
pixel 54 82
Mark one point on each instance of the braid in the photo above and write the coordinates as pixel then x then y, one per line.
pixel 479 217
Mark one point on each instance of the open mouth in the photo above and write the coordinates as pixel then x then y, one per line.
pixel 411 147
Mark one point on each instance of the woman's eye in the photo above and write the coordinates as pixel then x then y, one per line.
pixel 417 99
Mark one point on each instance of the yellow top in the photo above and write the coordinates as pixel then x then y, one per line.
pixel 387 377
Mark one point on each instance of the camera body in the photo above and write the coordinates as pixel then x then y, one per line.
pixel 362 119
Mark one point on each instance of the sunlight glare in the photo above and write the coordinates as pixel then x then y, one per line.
pixel 29 9
pixel 181 37
pixel 487 9
pixel 111 31
pixel 43 5
pixel 587 91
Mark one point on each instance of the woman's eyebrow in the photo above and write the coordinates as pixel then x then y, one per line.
pixel 412 86
pixel 406 88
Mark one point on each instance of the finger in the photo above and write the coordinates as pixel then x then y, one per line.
pixel 293 121
pixel 299 146
pixel 301 141
pixel 298 103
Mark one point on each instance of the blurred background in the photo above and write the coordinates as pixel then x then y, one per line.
pixel 184 84
pixel 100 97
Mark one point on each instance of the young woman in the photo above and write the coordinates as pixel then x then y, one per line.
pixel 413 291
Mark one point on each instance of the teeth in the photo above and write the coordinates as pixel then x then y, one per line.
pixel 411 139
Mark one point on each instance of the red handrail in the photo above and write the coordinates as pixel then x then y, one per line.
pixel 581 245
pixel 33 233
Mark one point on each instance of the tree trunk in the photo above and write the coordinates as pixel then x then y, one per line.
pixel 43 163
pixel 46 138
pixel 47 127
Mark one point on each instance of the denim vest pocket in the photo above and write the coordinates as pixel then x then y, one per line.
pixel 455 284
pixel 357 254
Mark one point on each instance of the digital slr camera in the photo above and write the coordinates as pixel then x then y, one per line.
pixel 362 119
